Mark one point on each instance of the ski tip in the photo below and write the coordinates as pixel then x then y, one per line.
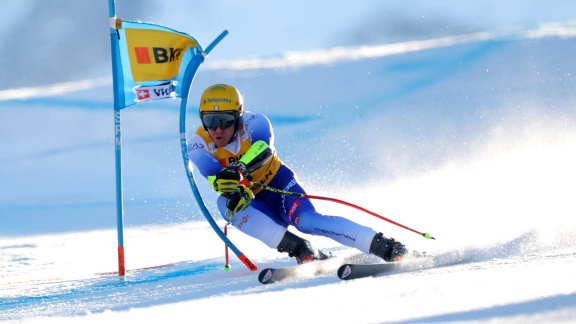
pixel 344 271
pixel 265 276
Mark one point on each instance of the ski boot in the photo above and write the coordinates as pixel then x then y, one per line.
pixel 387 248
pixel 300 249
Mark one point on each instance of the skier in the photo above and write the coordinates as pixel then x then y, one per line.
pixel 233 145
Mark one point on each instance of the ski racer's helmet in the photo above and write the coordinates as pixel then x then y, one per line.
pixel 221 105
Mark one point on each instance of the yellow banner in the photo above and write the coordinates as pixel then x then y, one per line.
pixel 156 54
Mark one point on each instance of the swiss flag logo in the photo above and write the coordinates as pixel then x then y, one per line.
pixel 143 94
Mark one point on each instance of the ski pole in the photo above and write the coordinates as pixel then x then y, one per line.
pixel 227 265
pixel 303 195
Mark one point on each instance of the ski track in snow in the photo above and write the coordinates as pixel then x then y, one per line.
pixel 201 279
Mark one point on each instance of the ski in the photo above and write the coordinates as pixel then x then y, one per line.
pixel 319 267
pixel 412 262
pixel 271 275
pixel 354 271
pixel 347 268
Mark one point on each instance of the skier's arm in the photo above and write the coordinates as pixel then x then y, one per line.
pixel 206 163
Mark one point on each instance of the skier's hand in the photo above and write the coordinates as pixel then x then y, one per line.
pixel 228 179
pixel 239 199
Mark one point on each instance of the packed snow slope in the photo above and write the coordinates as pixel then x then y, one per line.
pixel 471 138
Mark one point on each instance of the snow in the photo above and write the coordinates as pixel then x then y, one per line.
pixel 472 139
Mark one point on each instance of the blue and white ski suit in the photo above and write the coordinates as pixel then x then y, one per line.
pixel 269 215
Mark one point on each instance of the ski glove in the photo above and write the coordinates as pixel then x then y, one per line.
pixel 228 179
pixel 239 199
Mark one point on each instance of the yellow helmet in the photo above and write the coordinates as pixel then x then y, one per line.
pixel 221 106
pixel 220 98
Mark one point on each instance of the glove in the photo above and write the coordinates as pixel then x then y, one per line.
pixel 228 179
pixel 239 199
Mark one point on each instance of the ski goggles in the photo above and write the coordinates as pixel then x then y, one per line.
pixel 222 120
